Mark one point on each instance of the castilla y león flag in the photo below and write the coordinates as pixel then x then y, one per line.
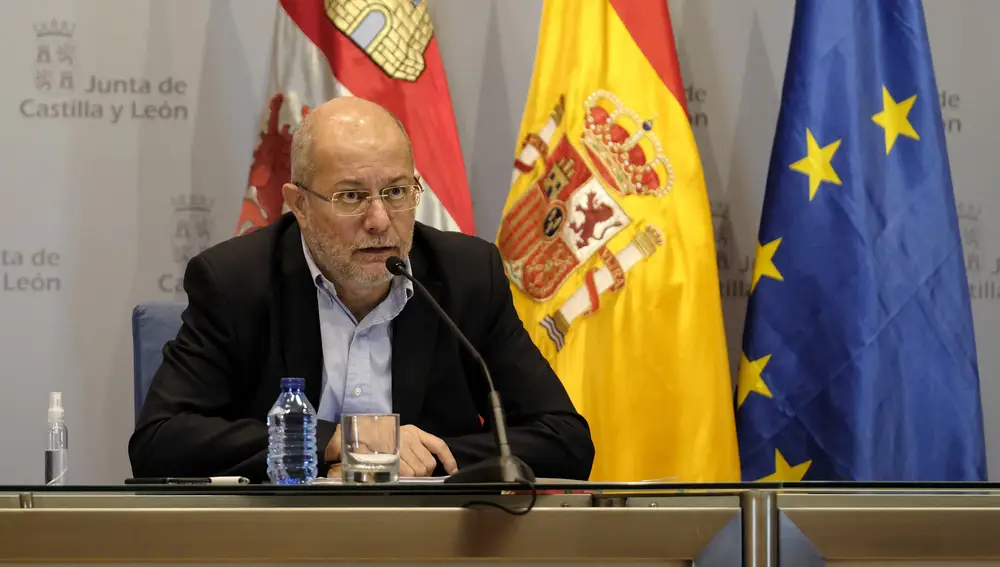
pixel 607 239
pixel 383 51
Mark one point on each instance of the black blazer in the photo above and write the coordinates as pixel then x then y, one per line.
pixel 252 318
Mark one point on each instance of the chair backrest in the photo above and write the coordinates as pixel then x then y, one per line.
pixel 153 324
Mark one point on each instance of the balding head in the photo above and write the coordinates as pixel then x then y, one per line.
pixel 344 119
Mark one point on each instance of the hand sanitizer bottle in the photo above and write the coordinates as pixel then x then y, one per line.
pixel 56 451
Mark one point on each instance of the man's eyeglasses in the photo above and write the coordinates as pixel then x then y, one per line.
pixel 397 198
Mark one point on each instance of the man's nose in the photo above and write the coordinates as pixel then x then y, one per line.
pixel 377 217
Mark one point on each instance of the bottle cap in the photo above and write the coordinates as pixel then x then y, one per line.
pixel 293 384
pixel 56 410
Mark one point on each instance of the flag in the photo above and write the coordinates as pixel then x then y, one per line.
pixel 859 360
pixel 607 239
pixel 383 51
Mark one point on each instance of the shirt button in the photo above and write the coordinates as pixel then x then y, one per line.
pixel 356 391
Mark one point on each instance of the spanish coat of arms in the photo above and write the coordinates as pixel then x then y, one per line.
pixel 572 211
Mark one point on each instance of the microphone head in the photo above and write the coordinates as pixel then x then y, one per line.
pixel 395 265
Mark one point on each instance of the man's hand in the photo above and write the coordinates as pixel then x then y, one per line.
pixel 332 452
pixel 417 449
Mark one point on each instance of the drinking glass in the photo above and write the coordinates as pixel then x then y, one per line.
pixel 369 448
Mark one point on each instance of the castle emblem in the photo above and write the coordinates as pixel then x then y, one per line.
pixel 55 55
pixel 192 220
pixel 571 212
pixel 393 33
pixel 968 223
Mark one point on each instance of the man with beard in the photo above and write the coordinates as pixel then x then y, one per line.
pixel 309 296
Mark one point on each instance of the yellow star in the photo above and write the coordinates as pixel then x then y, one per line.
pixel 750 379
pixel 783 472
pixel 763 263
pixel 816 164
pixel 893 119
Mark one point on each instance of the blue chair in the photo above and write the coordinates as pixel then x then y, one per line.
pixel 153 324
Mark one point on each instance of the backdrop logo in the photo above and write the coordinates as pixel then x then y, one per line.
pixel 54 56
pixel 191 223
pixel 968 222
pixel 733 269
pixel 65 90
pixel 983 274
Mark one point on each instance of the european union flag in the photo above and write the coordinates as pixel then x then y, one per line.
pixel 859 361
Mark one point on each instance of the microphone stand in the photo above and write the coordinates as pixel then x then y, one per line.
pixel 505 468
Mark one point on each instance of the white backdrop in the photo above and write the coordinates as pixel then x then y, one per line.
pixel 110 191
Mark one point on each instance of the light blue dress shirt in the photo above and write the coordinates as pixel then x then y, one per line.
pixel 357 355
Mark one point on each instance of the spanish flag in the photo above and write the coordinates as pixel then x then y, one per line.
pixel 608 243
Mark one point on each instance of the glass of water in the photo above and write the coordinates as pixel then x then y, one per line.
pixel 369 448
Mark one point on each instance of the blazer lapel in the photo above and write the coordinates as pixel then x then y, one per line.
pixel 297 317
pixel 414 341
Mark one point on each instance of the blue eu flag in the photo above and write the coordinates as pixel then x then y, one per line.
pixel 859 360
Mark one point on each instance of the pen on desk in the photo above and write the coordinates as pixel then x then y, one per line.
pixel 222 480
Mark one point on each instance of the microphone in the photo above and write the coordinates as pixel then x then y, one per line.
pixel 506 468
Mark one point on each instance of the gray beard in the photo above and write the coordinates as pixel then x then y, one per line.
pixel 333 259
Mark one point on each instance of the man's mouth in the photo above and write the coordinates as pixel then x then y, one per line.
pixel 377 249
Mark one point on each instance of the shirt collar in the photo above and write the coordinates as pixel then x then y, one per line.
pixel 324 284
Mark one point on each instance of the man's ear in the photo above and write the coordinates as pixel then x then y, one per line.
pixel 294 198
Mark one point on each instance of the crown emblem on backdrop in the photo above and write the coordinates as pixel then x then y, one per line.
pixel 969 211
pixel 198 203
pixel 614 140
pixel 55 28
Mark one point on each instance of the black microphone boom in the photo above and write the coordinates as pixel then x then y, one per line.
pixel 505 468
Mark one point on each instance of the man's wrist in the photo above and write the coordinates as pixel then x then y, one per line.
pixel 332 453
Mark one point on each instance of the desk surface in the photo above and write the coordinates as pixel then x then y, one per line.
pixel 421 523
pixel 671 524
pixel 542 485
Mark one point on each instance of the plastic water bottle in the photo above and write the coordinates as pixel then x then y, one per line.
pixel 291 446
pixel 56 461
